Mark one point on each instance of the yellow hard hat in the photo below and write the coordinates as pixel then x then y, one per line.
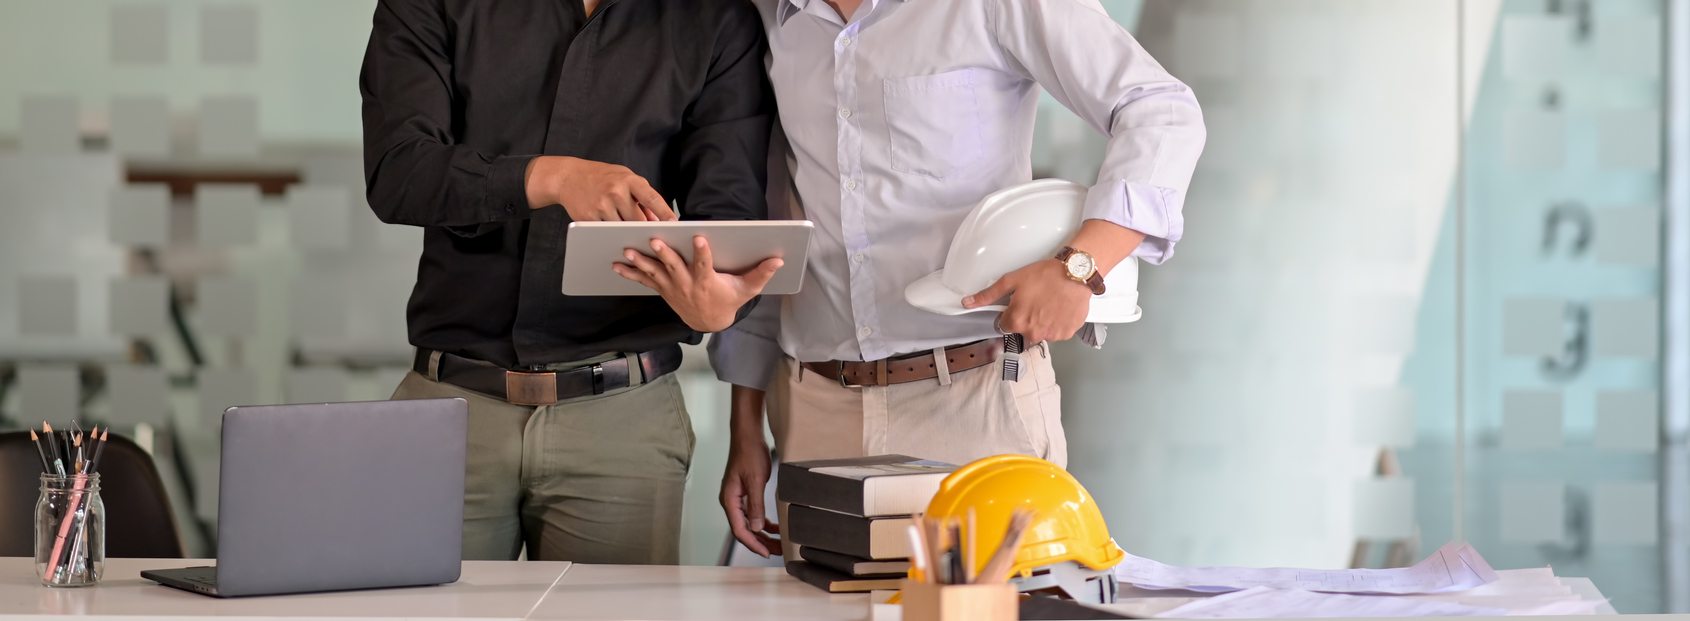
pixel 1067 525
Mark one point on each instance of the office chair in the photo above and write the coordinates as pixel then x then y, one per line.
pixel 139 523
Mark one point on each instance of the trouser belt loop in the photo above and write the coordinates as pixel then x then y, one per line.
pixel 942 364
pixel 636 371
pixel 434 366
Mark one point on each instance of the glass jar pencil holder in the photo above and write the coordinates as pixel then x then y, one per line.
pixel 70 530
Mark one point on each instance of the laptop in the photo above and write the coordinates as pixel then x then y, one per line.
pixel 335 497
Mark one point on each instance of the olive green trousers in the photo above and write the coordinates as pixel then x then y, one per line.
pixel 593 480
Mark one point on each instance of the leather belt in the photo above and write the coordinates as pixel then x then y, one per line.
pixel 910 368
pixel 543 387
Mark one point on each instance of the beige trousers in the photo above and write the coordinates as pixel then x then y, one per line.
pixel 957 418
pixel 593 480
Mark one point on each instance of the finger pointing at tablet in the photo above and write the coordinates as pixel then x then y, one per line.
pixel 707 300
pixel 593 191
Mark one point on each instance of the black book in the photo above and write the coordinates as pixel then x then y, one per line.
pixel 855 567
pixel 835 582
pixel 879 486
pixel 877 538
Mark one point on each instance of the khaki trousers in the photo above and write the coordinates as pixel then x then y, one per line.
pixel 957 418
pixel 593 480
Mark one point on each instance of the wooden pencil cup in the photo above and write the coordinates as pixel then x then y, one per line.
pixel 925 601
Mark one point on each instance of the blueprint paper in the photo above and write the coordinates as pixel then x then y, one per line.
pixel 1454 567
pixel 1269 603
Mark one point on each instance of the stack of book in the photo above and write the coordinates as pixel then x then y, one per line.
pixel 849 518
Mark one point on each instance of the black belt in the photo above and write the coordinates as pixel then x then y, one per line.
pixel 542 387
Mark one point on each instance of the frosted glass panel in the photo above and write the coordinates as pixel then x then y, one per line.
pixel 226 215
pixel 140 126
pixel 1533 512
pixel 1630 46
pixel 1629 236
pixel 229 34
pixel 1628 420
pixel 48 393
pixel 319 217
pixel 1532 420
pixel 140 215
pixel 140 33
pixel 1630 140
pixel 1533 326
pixel 1626 514
pixel 47 305
pixel 228 126
pixel 139 394
pixel 1626 328
pixel 140 306
pixel 48 125
pixel 228 307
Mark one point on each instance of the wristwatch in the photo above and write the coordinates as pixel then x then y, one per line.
pixel 1081 268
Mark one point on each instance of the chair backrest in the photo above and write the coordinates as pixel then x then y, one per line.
pixel 139 522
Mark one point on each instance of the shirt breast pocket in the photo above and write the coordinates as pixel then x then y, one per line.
pixel 933 122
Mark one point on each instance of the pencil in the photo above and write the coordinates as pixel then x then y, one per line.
pixel 46 466
pixel 99 449
pixel 53 448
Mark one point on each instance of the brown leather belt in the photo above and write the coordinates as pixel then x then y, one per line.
pixel 910 368
pixel 542 387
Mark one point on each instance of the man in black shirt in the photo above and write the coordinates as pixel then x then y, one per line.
pixel 493 125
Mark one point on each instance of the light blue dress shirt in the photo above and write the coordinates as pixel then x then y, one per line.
pixel 899 121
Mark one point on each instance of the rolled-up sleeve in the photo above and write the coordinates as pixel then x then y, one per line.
pixel 746 354
pixel 415 172
pixel 1095 68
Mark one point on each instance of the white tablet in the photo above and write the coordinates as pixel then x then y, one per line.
pixel 737 245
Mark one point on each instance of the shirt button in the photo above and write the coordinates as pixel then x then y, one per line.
pixel 851 185
pixel 844 113
pixel 864 332
pixel 857 258
pixel 845 42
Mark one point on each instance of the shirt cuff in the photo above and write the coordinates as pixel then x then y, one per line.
pixel 507 187
pixel 1142 207
pixel 744 359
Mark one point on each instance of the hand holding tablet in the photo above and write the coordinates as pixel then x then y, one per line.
pixel 734 248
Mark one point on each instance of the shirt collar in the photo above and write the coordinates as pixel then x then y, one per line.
pixel 788 8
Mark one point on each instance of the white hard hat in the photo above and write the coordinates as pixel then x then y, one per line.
pixel 1010 230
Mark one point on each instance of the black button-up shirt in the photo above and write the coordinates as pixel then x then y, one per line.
pixel 459 95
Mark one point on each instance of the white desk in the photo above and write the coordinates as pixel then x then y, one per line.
pixel 491 590
pixel 487 590
pixel 605 592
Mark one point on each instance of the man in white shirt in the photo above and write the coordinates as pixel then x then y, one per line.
pixel 900 115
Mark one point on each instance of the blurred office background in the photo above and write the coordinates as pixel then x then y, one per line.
pixel 1436 281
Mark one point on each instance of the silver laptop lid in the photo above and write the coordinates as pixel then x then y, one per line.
pixel 336 496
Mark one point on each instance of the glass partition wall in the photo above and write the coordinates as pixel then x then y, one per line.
pixel 1420 300
pixel 1424 293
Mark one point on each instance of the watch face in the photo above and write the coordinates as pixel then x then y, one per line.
pixel 1080 266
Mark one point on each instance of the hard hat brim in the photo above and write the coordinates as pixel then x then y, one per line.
pixel 930 294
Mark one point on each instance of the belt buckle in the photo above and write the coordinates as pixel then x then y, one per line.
pixel 530 388
pixel 842 382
